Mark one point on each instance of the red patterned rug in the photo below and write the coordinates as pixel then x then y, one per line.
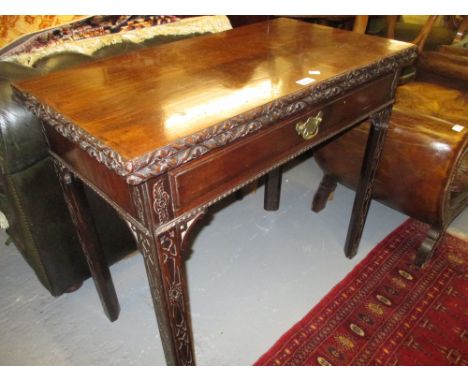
pixel 387 311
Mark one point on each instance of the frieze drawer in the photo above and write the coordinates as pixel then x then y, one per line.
pixel 219 171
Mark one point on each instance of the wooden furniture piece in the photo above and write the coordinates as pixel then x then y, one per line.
pixel 424 162
pixel 420 40
pixel 163 133
pixel 448 65
pixel 411 27
pixel 423 172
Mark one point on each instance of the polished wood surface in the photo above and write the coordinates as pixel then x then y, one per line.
pixel 449 62
pixel 148 99
pixel 434 100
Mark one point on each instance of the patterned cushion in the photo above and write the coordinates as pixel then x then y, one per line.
pixel 94 33
pixel 3 221
pixel 13 27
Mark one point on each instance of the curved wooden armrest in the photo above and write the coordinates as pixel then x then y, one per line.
pixel 360 24
pixel 391 25
pixel 420 40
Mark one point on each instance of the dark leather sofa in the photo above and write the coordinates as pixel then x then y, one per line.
pixel 30 194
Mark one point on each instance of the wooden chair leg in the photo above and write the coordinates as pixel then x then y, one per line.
pixel 322 195
pixel 429 246
pixel 273 189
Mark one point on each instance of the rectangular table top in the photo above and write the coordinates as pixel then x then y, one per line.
pixel 157 101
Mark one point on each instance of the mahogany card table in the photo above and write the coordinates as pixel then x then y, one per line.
pixel 162 133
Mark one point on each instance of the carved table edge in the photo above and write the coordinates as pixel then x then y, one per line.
pixel 122 213
pixel 185 149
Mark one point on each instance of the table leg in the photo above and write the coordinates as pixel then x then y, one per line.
pixel 272 189
pixel 165 269
pixel 375 142
pixel 81 216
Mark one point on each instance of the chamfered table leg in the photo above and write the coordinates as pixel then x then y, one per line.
pixel 165 269
pixel 375 142
pixel 81 216
pixel 273 189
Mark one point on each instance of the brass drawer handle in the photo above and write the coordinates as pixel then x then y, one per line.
pixel 309 128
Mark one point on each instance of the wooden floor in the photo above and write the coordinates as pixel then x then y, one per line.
pixel 252 274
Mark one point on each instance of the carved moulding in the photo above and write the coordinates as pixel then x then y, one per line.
pixel 93 146
pixel 161 202
pixel 137 170
pixel 152 202
pixel 120 211
pixel 173 277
